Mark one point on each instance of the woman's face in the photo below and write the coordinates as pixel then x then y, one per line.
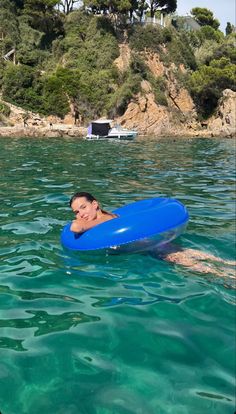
pixel 85 209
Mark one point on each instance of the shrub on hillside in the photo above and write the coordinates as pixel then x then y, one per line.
pixel 138 66
pixel 55 100
pixel 177 48
pixel 226 49
pixel 207 84
pixel 76 24
pixel 29 50
pixel 159 88
pixel 16 81
pixel 146 37
pixel 97 48
pixel 4 109
pixel 180 52
pixel 204 54
pixel 96 88
pixel 130 86
pixel 208 33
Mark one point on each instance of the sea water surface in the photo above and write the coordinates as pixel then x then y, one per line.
pixel 84 333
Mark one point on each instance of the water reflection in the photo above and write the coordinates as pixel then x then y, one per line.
pixel 46 323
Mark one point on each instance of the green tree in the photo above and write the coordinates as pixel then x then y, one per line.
pixel 226 49
pixel 209 33
pixel 4 109
pixel 214 45
pixel 55 99
pixel 129 85
pixel 76 26
pixel 94 46
pixel 205 53
pixel 70 81
pixel 16 81
pixel 167 6
pixel 111 6
pixel 29 49
pixel 205 17
pixel 45 18
pixel 207 84
pixel 229 28
pixel 9 28
pixel 67 6
pixel 19 4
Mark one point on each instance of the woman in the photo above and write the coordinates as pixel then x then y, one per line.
pixel 87 211
pixel 88 214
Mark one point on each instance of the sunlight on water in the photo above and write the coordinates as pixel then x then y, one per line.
pixel 85 333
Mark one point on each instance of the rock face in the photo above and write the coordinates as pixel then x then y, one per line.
pixel 155 65
pixel 178 117
pixel 144 115
pixel 62 131
pixel 30 124
pixel 224 122
pixel 123 61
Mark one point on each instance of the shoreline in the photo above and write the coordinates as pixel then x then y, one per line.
pixel 57 131
pixel 147 123
pixel 63 131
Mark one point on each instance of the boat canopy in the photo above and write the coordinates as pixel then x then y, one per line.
pixel 102 121
pixel 100 127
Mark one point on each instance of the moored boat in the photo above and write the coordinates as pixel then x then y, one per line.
pixel 103 129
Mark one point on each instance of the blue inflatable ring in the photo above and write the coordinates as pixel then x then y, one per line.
pixel 139 225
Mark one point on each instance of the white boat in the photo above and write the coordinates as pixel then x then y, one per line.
pixel 103 129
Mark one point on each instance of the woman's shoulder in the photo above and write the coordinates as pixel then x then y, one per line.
pixel 108 216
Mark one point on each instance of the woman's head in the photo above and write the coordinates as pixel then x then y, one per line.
pixel 88 196
pixel 84 205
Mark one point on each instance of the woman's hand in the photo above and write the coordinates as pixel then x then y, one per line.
pixel 81 225
pixel 77 227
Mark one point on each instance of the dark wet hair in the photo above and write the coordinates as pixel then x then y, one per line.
pixel 88 196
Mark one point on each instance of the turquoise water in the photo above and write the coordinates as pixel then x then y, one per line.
pixel 123 334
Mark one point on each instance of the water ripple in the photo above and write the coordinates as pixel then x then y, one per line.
pixel 129 333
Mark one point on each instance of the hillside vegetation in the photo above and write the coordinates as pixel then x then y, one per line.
pixel 64 60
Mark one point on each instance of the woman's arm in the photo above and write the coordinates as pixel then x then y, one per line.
pixel 80 226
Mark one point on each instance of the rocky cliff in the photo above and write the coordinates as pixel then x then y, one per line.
pixel 177 117
pixel 22 123
pixel 224 121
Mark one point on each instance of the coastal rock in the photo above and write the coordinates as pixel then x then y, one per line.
pixel 154 63
pixel 179 117
pixel 224 121
pixel 35 132
pixel 176 95
pixel 179 97
pixel 123 61
pixel 23 123
pixel 144 115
